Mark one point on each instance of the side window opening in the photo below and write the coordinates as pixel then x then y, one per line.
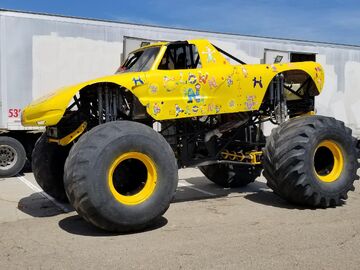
pixel 302 57
pixel 180 56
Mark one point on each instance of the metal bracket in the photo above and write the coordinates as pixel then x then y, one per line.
pixel 252 157
pixel 72 136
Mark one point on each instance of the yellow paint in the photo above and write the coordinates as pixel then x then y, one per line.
pixel 338 167
pixel 217 87
pixel 150 184
pixel 72 136
pixel 252 157
pixel 255 157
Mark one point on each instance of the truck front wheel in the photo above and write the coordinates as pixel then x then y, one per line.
pixel 121 176
pixel 48 161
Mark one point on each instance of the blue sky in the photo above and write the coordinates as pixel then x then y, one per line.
pixel 335 21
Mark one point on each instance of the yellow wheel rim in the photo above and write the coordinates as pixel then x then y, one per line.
pixel 145 186
pixel 328 161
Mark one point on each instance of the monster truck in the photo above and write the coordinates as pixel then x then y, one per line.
pixel 113 145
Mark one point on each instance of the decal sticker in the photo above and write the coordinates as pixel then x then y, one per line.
pixel 169 83
pixel 193 95
pixel 178 110
pixel 182 81
pixel 195 109
pixel 203 109
pixel 217 108
pixel 257 82
pixel 250 102
pixel 229 81
pixel 212 108
pixel 318 79
pixel 138 80
pixel 209 54
pixel 318 69
pixel 156 109
pixel 232 103
pixel 197 86
pixel 14 113
pixel 203 78
pixel 192 78
pixel 153 88
pixel 273 68
pixel 212 83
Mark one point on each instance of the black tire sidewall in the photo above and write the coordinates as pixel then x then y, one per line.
pixel 344 141
pixel 21 156
pixel 48 161
pixel 98 190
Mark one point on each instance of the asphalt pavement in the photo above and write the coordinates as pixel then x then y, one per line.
pixel 206 227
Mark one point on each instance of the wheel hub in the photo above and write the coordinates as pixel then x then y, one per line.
pixel 328 161
pixel 8 157
pixel 132 178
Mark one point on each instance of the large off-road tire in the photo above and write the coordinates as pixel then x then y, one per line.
pixel 121 176
pixel 12 156
pixel 48 160
pixel 311 161
pixel 232 176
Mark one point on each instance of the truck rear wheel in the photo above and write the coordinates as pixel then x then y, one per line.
pixel 230 175
pixel 311 161
pixel 12 156
pixel 48 161
pixel 121 176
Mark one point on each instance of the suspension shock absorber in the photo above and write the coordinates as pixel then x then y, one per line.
pixel 100 105
pixel 280 107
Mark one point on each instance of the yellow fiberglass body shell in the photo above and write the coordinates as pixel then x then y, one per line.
pixel 216 87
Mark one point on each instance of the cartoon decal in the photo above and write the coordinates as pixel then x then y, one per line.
pixel 192 78
pixel 209 53
pixel 229 81
pixel 203 78
pixel 153 88
pixel 169 83
pixel 181 81
pixel 232 103
pixel 138 80
pixel 212 108
pixel 212 83
pixel 273 68
pixel 178 110
pixel 257 82
pixel 217 108
pixel 318 79
pixel 250 103
pixel 156 109
pixel 193 95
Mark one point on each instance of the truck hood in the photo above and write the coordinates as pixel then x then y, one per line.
pixel 49 109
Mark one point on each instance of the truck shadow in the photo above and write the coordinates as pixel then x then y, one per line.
pixel 190 189
pixel 76 225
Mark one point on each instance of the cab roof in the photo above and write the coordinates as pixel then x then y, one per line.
pixel 163 43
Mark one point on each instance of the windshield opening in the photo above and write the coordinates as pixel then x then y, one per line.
pixel 140 60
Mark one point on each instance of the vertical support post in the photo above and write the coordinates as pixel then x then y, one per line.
pixel 100 105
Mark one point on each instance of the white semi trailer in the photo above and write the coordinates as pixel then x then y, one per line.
pixel 41 53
